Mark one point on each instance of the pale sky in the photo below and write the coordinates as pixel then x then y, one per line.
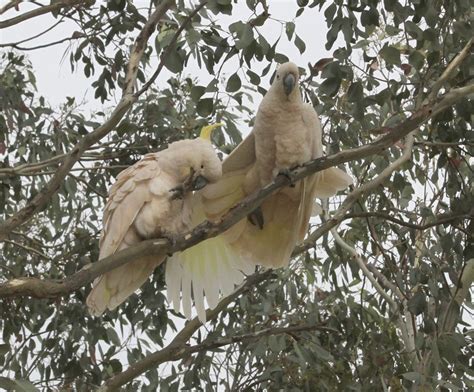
pixel 53 72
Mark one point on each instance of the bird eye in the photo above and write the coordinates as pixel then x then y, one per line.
pixel 202 166
pixel 278 76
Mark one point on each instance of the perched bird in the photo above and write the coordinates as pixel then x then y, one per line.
pixel 287 133
pixel 153 198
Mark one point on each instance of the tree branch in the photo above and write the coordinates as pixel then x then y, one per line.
pixel 127 100
pixel 17 47
pixel 55 6
pixel 44 288
pixel 177 349
pixel 440 219
pixel 363 266
pixel 10 4
pixel 449 71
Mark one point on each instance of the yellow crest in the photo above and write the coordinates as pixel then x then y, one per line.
pixel 207 130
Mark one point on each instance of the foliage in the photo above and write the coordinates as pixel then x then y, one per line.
pixel 414 232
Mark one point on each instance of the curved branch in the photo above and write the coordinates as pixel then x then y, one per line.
pixel 17 47
pixel 176 349
pixel 44 288
pixel 451 68
pixel 127 100
pixel 441 219
pixel 181 350
pixel 55 6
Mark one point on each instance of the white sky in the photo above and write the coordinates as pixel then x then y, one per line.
pixel 53 72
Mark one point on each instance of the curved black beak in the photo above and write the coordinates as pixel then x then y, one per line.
pixel 289 82
pixel 199 182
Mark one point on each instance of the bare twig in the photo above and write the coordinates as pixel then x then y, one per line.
pixel 127 100
pixel 28 249
pixel 17 47
pixel 440 219
pixel 34 36
pixel 55 6
pixel 10 4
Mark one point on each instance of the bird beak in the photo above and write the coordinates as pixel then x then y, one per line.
pixel 199 182
pixel 289 82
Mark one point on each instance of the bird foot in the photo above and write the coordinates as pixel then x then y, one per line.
pixel 177 193
pixel 171 238
pixel 256 218
pixel 287 173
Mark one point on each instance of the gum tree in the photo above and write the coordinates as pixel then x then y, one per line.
pixel 377 296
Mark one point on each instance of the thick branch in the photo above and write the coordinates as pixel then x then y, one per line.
pixel 140 44
pixel 44 288
pixel 55 6
pixel 41 199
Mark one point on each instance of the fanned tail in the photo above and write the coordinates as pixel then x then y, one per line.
pixel 206 270
pixel 114 287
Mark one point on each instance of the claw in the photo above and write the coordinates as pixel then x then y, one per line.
pixel 177 192
pixel 256 218
pixel 287 173
pixel 170 237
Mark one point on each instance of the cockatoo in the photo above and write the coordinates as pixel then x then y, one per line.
pixel 152 198
pixel 287 133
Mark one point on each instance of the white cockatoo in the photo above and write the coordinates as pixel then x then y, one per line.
pixel 153 198
pixel 287 133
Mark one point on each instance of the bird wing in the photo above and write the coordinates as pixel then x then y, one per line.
pixel 127 197
pixel 204 270
pixel 241 156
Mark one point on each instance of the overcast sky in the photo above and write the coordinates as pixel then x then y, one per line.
pixel 55 80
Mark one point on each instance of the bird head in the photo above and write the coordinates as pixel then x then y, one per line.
pixel 286 80
pixel 195 161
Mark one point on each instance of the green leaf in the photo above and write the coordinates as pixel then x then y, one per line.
pixel 4 348
pixel 390 54
pixel 300 44
pixel 254 78
pixel 355 92
pixel 370 17
pixel 233 83
pixel 245 37
pixel 417 303
pixel 197 92
pixel 113 336
pixel 330 86
pixel 412 376
pixel 7 384
pixel 25 386
pixel 205 106
pixel 174 62
pixel 416 59
pixel 290 29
